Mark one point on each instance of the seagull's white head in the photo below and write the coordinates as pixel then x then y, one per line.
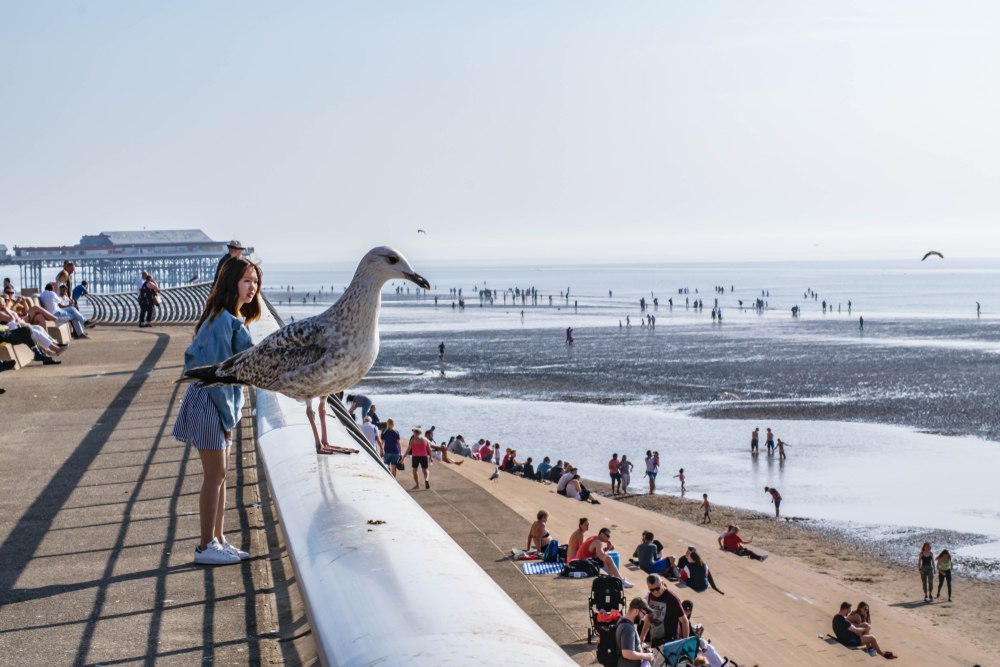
pixel 385 264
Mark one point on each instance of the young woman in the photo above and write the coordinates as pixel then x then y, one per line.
pixel 421 453
pixel 944 571
pixel 625 468
pixel 147 301
pixel 925 566
pixel 209 415
pixel 538 533
pixel 862 614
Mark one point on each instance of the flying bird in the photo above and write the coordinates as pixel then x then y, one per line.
pixel 933 252
pixel 723 395
pixel 495 477
pixel 420 231
pixel 319 355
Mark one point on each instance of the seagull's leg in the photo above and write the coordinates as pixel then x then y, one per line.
pixel 311 414
pixel 327 448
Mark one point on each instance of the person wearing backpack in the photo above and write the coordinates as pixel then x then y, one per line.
pixel 628 650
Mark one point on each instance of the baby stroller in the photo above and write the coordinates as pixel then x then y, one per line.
pixel 607 606
pixel 680 653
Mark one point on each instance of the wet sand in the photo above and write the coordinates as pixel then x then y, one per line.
pixel 974 612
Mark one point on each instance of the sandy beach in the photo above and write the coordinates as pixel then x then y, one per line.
pixel 974 613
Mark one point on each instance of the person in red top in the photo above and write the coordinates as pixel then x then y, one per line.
pixel 421 451
pixel 733 543
pixel 595 548
pixel 775 498
pixel 616 477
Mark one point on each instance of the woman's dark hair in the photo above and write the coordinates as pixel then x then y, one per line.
pixel 944 552
pixel 866 606
pixel 226 293
pixel 696 557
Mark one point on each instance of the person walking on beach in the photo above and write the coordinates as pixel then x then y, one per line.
pixel 421 451
pixel 705 505
pixel 625 468
pixel 775 498
pixel 680 476
pixel 614 466
pixel 651 471
pixel 754 440
pixel 208 415
pixel 925 566
pixel 770 443
pixel 862 321
pixel 944 572
pixel 569 336
pixel 441 350
pixel 390 446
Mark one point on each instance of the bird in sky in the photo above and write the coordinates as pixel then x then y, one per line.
pixel 933 252
pixel 321 355
pixel 724 395
pixel 420 231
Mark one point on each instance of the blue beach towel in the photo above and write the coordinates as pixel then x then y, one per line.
pixel 542 568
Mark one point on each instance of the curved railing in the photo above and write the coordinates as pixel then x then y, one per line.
pixel 382 583
pixel 177 304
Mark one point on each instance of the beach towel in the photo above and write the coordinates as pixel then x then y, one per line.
pixel 542 568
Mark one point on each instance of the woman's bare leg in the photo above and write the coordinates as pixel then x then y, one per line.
pixel 213 463
pixel 220 512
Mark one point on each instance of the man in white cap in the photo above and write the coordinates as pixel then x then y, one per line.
pixel 235 250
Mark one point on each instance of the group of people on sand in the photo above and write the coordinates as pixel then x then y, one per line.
pixel 621 472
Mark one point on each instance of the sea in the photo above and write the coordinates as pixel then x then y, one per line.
pixel 893 426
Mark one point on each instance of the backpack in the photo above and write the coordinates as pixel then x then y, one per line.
pixel 551 553
pixel 581 565
pixel 607 645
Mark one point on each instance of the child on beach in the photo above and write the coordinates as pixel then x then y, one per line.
pixel 707 507
pixel 775 498
pixel 681 477
pixel 651 466
pixel 781 448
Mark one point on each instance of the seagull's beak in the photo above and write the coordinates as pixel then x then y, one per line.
pixel 419 280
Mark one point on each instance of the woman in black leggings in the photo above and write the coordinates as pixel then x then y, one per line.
pixel 925 565
pixel 147 301
pixel 944 571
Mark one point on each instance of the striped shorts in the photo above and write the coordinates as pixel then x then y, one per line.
pixel 198 421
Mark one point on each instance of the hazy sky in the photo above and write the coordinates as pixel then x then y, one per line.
pixel 660 131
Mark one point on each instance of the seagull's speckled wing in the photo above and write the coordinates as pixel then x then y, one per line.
pixel 292 347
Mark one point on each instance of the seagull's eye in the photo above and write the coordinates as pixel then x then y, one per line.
pixel 393 259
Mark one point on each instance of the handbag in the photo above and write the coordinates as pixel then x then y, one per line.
pixel 401 465
pixel 156 300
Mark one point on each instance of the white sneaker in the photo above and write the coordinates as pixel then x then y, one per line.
pixel 763 558
pixel 872 652
pixel 214 554
pixel 234 550
pixel 626 583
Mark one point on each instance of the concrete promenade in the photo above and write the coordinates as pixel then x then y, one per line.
pixel 776 613
pixel 99 519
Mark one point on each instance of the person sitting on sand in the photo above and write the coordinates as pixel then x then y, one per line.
pixel 543 469
pixel 595 549
pixel 854 635
pixel 538 533
pixel 576 539
pixel 733 543
pixel 528 469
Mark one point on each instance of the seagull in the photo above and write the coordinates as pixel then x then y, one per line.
pixel 420 231
pixel 933 252
pixel 194 278
pixel 723 395
pixel 495 477
pixel 319 355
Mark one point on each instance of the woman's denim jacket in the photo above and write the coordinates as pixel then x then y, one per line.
pixel 216 341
